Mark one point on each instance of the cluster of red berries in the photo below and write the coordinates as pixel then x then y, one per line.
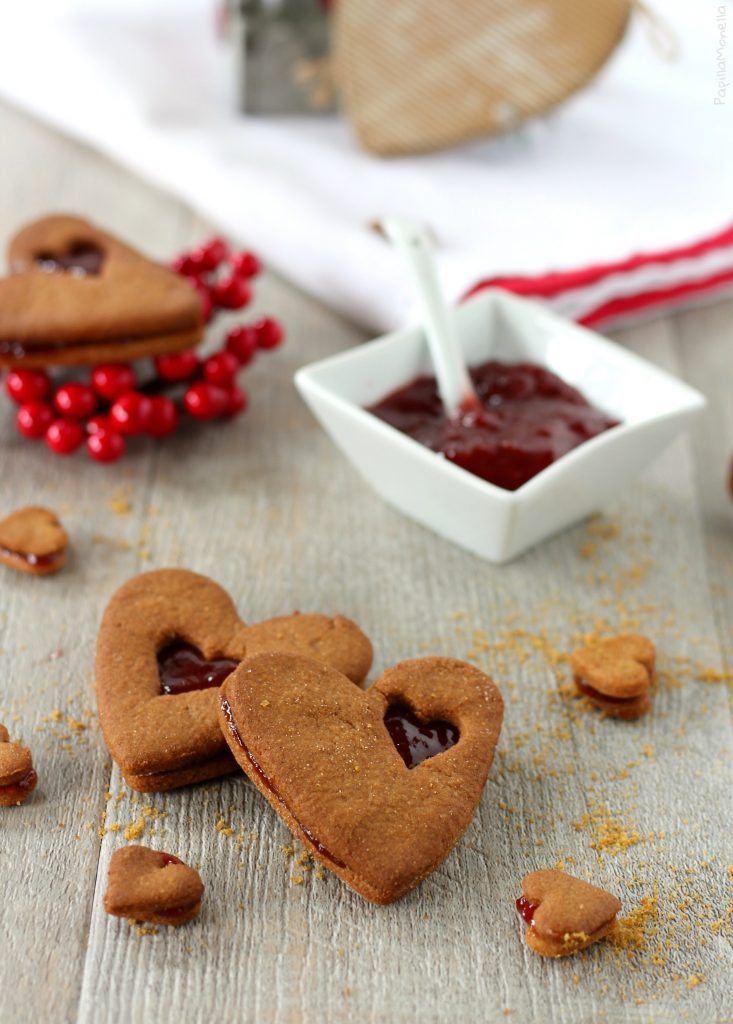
pixel 113 405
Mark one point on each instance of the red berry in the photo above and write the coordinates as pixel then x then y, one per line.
pixel 34 418
pixel 212 253
pixel 205 401
pixel 221 368
pixel 269 332
pixel 130 413
pixel 236 401
pixel 110 380
pixel 231 293
pixel 177 367
pixel 242 343
pixel 188 263
pixel 97 423
pixel 27 385
pixel 163 418
pixel 64 436
pixel 105 445
pixel 77 401
pixel 245 264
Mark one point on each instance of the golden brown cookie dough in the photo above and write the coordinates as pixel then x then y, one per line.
pixel 164 740
pixel 149 885
pixel 77 295
pixel 17 776
pixel 32 540
pixel 563 913
pixel 321 752
pixel 616 674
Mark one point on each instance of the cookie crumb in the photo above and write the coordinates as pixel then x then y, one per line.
pixel 224 828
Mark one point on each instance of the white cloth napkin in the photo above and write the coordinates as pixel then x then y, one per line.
pixel 638 163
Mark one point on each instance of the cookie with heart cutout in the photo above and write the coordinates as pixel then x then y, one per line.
pixel 18 778
pixel 616 674
pixel 167 640
pixel 380 784
pixel 33 541
pixel 563 913
pixel 149 885
pixel 77 295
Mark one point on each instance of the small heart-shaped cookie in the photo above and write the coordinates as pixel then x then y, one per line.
pixel 616 674
pixel 17 776
pixel 564 914
pixel 167 640
pixel 348 771
pixel 149 885
pixel 77 295
pixel 33 541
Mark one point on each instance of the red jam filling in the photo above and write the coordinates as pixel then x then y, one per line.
pixel 183 668
pixel 176 912
pixel 18 791
pixel 41 561
pixel 528 419
pixel 594 694
pixel 526 908
pixel 81 260
pixel 267 782
pixel 169 858
pixel 416 741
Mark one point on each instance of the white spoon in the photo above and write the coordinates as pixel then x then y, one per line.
pixel 454 383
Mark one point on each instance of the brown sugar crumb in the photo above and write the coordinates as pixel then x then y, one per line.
pixel 288 851
pixel 297 880
pixel 119 505
pixel 638 927
pixel 608 834
pixel 75 725
pixel 224 828
pixel 264 703
pixel 56 715
pixel 135 830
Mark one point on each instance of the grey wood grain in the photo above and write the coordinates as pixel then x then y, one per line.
pixel 271 510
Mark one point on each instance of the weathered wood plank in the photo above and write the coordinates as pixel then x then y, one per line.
pixel 268 507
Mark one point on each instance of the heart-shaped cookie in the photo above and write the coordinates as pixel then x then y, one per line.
pixel 324 755
pixel 563 913
pixel 159 643
pixel 149 885
pixel 17 775
pixel 33 541
pixel 77 295
pixel 617 674
pixel 418 76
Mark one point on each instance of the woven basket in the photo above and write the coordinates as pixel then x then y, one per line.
pixel 419 75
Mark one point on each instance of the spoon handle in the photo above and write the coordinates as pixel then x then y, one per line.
pixel 454 384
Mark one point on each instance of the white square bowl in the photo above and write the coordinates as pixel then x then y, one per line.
pixel 491 522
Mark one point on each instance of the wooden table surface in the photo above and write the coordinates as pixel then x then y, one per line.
pixel 271 510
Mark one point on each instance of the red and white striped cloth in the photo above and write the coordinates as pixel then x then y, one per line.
pixel 643 285
pixel 615 206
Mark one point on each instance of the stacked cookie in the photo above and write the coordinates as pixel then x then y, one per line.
pixel 379 784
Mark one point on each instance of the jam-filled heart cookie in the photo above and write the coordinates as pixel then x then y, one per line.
pixel 381 784
pixel 617 674
pixel 77 295
pixel 17 775
pixel 149 885
pixel 167 641
pixel 564 914
pixel 33 540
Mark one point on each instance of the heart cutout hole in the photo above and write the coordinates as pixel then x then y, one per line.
pixel 82 259
pixel 183 668
pixel 415 740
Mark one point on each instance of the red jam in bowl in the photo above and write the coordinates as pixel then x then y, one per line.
pixel 527 419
